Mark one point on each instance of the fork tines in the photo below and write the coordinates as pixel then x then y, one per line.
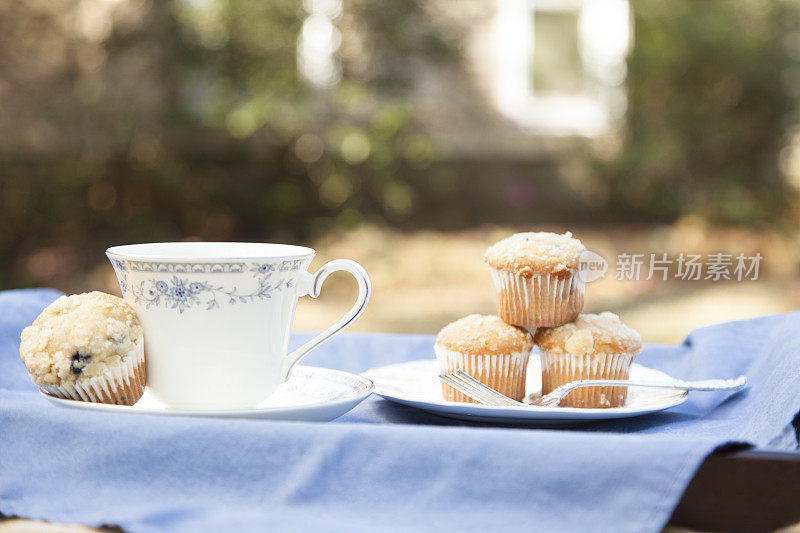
pixel 476 390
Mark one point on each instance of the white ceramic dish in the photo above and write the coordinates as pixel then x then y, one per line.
pixel 311 394
pixel 417 384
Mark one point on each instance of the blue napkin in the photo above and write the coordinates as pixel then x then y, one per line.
pixel 384 467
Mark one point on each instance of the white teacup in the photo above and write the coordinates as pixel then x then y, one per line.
pixel 217 316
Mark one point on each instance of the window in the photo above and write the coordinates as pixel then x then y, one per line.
pixel 561 64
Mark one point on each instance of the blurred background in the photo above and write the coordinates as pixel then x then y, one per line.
pixel 408 135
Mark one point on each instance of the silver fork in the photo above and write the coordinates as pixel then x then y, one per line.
pixel 484 394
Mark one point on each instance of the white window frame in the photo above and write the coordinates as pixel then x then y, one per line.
pixel 604 33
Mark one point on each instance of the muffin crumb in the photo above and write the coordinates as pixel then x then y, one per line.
pixel 484 334
pixel 536 253
pixel 590 333
pixel 580 342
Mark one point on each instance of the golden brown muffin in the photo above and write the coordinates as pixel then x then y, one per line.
pixel 591 347
pixel 536 278
pixel 87 347
pixel 488 349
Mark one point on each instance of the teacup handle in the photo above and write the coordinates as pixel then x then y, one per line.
pixel 311 284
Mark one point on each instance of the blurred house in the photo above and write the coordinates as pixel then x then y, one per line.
pixel 146 120
pixel 532 71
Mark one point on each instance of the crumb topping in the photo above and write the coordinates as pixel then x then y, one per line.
pixel 78 337
pixel 536 253
pixel 484 335
pixel 588 334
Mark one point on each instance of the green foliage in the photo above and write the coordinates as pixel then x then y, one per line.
pixel 157 120
pixel 189 119
pixel 710 100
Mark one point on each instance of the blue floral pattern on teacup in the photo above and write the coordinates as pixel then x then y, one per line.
pixel 183 293
pixel 264 268
pixel 122 275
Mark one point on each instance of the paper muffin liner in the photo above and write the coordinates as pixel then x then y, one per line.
pixel 538 301
pixel 559 368
pixel 504 373
pixel 121 384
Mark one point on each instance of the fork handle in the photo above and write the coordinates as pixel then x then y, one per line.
pixel 704 385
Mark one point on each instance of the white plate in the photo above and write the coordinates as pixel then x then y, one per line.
pixel 311 394
pixel 417 384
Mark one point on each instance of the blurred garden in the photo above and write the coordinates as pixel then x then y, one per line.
pixel 409 136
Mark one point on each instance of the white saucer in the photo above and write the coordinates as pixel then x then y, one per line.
pixel 311 394
pixel 417 384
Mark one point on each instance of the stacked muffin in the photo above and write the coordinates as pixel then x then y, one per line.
pixel 535 276
pixel 591 347
pixel 487 349
pixel 539 286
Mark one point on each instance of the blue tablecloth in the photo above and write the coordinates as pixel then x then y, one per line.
pixel 385 467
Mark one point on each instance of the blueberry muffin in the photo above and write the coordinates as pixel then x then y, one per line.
pixel 487 349
pixel 536 278
pixel 591 347
pixel 87 347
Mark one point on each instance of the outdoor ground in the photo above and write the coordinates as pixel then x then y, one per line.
pixel 425 279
